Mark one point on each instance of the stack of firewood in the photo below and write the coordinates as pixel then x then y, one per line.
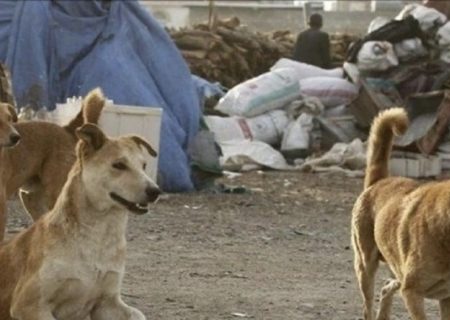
pixel 339 43
pixel 229 53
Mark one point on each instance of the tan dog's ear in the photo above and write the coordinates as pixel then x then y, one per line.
pixel 141 142
pixel 91 135
pixel 12 112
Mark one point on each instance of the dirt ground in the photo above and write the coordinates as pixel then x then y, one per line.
pixel 279 252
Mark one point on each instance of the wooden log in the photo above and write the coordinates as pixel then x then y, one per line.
pixel 238 37
pixel 188 42
pixel 194 54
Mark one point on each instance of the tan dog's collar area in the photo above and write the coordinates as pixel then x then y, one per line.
pixel 138 208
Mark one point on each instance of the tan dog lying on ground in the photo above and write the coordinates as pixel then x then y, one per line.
pixel 36 156
pixel 69 264
pixel 405 224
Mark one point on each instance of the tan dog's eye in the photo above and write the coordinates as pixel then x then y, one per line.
pixel 144 166
pixel 119 166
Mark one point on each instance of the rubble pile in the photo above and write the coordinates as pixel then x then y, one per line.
pixel 406 62
pixel 293 111
pixel 229 53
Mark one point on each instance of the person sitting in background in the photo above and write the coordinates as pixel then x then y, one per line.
pixel 313 45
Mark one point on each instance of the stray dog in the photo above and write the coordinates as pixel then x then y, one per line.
pixel 403 223
pixel 36 156
pixel 70 263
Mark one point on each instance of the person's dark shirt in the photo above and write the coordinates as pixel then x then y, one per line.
pixel 313 47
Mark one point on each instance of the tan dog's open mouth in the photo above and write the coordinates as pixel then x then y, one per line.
pixel 138 208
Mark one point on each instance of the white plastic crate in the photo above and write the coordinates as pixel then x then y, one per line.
pixel 415 165
pixel 117 120
pixel 445 158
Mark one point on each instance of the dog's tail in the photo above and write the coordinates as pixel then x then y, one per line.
pixel 387 124
pixel 90 112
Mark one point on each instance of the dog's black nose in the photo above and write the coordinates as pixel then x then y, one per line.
pixel 152 193
pixel 14 138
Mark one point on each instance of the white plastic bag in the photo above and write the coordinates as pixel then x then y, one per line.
pixel 296 136
pixel 410 49
pixel 406 11
pixel 445 55
pixel 304 70
pixel 241 154
pixel 429 18
pixel 349 158
pixel 376 56
pixel 377 23
pixel 443 36
pixel 269 91
pixel 331 92
pixel 443 39
pixel 267 128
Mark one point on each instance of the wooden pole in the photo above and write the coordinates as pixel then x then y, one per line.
pixel 211 15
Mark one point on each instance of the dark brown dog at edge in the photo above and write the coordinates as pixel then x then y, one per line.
pixel 36 156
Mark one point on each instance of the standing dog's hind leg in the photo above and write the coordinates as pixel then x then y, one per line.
pixel 415 304
pixel 366 265
pixel 387 293
pixel 366 256
pixel 115 308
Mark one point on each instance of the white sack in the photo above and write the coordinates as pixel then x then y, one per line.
pixel 376 56
pixel 269 91
pixel 304 70
pixel 410 49
pixel 296 135
pixel 429 18
pixel 332 92
pixel 267 128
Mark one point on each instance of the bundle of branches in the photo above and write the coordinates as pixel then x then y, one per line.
pixel 227 52
pixel 339 43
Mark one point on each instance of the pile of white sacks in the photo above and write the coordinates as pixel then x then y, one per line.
pixel 382 55
pixel 276 110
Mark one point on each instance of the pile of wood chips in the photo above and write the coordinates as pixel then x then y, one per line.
pixel 230 53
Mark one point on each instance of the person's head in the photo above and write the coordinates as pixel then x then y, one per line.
pixel 315 20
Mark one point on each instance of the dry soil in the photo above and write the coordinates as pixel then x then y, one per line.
pixel 279 252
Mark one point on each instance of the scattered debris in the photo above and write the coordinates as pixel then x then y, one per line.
pixel 241 315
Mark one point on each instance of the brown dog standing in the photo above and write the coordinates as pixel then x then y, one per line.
pixel 403 223
pixel 36 156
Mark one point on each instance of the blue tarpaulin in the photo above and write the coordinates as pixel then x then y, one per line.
pixel 59 49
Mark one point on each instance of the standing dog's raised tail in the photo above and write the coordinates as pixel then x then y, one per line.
pixel 90 112
pixel 389 123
